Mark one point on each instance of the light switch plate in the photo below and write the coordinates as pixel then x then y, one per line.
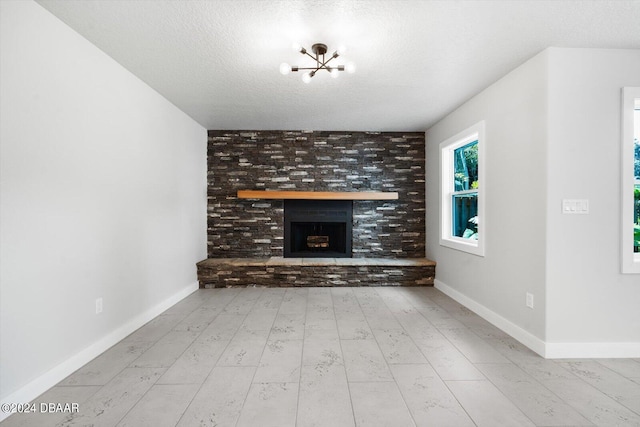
pixel 575 206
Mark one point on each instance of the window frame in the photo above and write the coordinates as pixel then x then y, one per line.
pixel 447 187
pixel 630 259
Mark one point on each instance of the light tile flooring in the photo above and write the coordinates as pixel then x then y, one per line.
pixel 336 357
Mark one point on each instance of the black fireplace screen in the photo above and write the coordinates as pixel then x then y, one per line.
pixel 317 228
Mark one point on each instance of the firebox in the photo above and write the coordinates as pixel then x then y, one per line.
pixel 318 228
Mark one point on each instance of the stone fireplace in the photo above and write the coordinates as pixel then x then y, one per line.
pixel 280 242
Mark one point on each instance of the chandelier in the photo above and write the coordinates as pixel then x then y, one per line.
pixel 320 51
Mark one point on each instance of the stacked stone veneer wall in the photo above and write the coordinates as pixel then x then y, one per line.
pixel 315 161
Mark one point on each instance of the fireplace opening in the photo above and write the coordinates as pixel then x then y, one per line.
pixel 318 238
pixel 317 228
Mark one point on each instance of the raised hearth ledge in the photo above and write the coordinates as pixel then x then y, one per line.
pixel 318 195
pixel 319 262
pixel 298 272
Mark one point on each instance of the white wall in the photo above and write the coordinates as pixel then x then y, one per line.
pixel 495 285
pixel 589 300
pixel 103 194
pixel 553 133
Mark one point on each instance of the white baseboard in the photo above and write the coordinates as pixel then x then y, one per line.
pixel 580 350
pixel 525 337
pixel 593 350
pixel 52 377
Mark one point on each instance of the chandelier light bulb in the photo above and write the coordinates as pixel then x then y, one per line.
pixel 350 68
pixel 306 77
pixel 341 50
pixel 285 68
pixel 335 73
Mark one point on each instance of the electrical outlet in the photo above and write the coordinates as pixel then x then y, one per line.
pixel 98 305
pixel 529 300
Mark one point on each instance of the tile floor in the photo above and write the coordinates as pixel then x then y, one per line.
pixel 336 357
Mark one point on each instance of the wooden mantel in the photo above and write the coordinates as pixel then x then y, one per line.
pixel 318 195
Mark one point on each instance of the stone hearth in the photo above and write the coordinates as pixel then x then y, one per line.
pixel 289 272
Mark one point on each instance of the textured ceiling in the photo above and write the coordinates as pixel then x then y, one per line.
pixel 416 60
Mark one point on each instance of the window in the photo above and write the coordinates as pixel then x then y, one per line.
pixel 461 164
pixel 630 180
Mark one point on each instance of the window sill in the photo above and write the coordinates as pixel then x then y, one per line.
pixel 474 247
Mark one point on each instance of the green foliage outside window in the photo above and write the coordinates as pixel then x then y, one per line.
pixel 636 214
pixel 465 205
pixel 465 162
pixel 636 169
